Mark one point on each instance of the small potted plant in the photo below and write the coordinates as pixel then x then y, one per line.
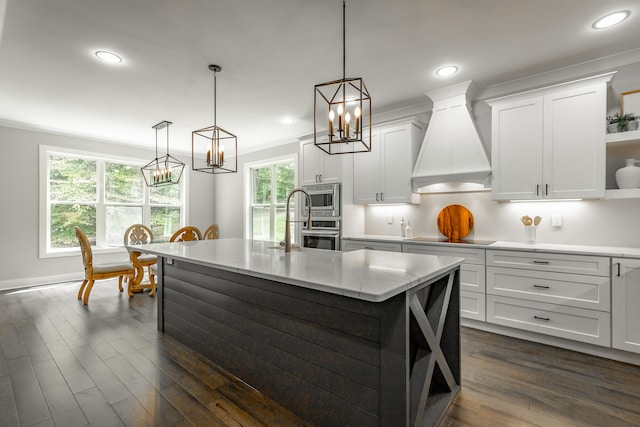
pixel 622 122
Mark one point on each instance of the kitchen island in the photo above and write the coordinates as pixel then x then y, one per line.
pixel 340 338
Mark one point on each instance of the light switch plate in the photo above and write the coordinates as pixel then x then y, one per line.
pixel 389 219
pixel 556 220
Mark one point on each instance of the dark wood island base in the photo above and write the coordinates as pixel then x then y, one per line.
pixel 331 359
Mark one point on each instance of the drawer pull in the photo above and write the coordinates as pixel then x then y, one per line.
pixel 535 261
pixel 541 286
pixel 369 247
pixel 546 319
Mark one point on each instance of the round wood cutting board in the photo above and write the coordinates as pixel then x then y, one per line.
pixel 455 222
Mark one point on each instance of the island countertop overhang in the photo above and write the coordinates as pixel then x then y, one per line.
pixel 363 274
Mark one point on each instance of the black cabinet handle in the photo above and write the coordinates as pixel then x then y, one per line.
pixel 541 286
pixel 618 268
pixel 535 261
pixel 546 319
pixel 382 197
pixel 537 189
pixel 546 189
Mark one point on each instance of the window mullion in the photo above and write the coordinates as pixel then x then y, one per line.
pixel 101 211
pixel 272 210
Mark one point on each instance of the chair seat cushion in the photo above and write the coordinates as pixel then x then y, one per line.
pixel 111 267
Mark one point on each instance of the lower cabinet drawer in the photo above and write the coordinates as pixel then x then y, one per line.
pixel 576 290
pixel 472 305
pixel 353 245
pixel 590 326
pixel 472 278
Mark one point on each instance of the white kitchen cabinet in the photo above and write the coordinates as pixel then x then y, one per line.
pixel 384 174
pixel 561 295
pixel 549 143
pixel 625 302
pixel 578 324
pixel 472 275
pixel 318 166
pixel 353 245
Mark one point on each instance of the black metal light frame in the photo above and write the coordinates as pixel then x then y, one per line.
pixel 214 143
pixel 341 98
pixel 164 170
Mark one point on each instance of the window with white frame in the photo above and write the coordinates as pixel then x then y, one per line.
pixel 103 196
pixel 270 182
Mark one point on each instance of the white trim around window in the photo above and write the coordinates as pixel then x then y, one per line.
pixel 293 157
pixel 45 251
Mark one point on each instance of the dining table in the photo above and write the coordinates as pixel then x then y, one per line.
pixel 136 284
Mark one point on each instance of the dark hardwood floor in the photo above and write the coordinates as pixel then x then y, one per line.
pixel 65 364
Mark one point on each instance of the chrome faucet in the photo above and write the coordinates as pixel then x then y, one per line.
pixel 287 227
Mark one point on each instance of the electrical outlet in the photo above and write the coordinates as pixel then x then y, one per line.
pixel 556 220
pixel 389 219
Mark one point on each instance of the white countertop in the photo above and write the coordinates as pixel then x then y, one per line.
pixel 612 251
pixel 364 274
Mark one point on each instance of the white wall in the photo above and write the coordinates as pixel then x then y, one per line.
pixel 19 199
pixel 229 190
pixel 606 223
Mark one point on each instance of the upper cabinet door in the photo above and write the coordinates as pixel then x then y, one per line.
pixel 574 143
pixel 318 166
pixel 550 143
pixel 366 173
pixel 516 153
pixel 396 164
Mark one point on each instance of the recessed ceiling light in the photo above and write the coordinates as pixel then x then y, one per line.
pixel 447 71
pixel 109 57
pixel 288 120
pixel 611 19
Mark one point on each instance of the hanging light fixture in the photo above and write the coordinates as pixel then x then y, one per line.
pixel 162 170
pixel 347 102
pixel 214 143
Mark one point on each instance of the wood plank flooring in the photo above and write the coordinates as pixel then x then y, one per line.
pixel 64 364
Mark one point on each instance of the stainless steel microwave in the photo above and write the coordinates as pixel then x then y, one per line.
pixel 325 200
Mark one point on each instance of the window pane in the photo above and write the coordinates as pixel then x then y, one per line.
pixel 281 219
pixel 165 195
pixel 65 217
pixel 123 183
pixel 165 221
pixel 260 216
pixel 261 185
pixel 285 174
pixel 72 180
pixel 119 218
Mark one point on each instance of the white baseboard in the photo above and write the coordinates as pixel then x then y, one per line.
pixel 37 281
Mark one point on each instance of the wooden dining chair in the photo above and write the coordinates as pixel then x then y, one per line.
pixel 140 234
pixel 186 234
pixel 93 271
pixel 213 232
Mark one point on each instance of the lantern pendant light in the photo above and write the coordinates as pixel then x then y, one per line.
pixel 162 170
pixel 212 147
pixel 347 102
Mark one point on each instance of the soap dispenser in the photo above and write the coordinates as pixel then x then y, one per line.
pixel 408 231
pixel 402 226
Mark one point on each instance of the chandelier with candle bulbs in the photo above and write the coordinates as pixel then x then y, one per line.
pixel 162 170
pixel 342 111
pixel 213 149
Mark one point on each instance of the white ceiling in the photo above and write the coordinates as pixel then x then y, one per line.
pixel 272 53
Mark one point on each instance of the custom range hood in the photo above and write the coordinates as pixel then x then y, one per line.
pixel 452 151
